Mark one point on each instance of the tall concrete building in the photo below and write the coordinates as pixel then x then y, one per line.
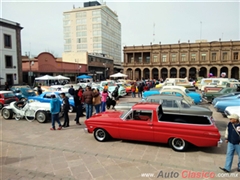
pixel 93 28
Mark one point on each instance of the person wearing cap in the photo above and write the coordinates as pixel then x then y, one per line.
pixel 232 138
pixel 66 108
pixel 55 108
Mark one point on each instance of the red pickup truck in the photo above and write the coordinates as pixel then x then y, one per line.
pixel 147 122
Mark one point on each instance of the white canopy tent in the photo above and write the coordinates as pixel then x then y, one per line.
pixel 60 77
pixel 118 75
pixel 43 78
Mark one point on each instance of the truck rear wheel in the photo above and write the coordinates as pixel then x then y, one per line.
pixel 178 144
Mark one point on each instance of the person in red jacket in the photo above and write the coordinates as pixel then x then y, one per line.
pixel 81 99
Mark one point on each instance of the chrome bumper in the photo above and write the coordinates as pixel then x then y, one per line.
pixel 86 130
pixel 219 143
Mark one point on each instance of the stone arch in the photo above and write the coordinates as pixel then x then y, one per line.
pixel 146 73
pixel 202 72
pixel 155 73
pixel 129 72
pixel 138 73
pixel 214 71
pixel 224 69
pixel 235 72
pixel 164 73
pixel 182 72
pixel 173 73
pixel 192 73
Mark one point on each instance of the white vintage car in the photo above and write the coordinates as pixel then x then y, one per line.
pixel 28 110
pixel 232 110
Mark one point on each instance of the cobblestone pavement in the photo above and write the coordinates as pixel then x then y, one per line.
pixel 32 151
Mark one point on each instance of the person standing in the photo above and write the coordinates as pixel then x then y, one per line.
pixel 104 100
pixel 133 89
pixel 81 99
pixel 140 90
pixel 88 97
pixel 66 108
pixel 55 108
pixel 7 88
pixel 39 89
pixel 97 101
pixel 71 91
pixel 232 138
pixel 115 94
pixel 78 105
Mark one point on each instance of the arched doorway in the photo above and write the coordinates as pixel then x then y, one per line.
pixel 235 72
pixel 224 70
pixel 146 73
pixel 183 72
pixel 164 73
pixel 202 72
pixel 155 73
pixel 173 73
pixel 214 71
pixel 130 73
pixel 192 73
pixel 138 74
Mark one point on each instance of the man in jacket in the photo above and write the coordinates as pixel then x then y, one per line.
pixel 88 97
pixel 71 91
pixel 39 89
pixel 232 138
pixel 78 105
pixel 55 108
pixel 66 108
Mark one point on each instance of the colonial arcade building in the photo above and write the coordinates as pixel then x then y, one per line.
pixel 183 60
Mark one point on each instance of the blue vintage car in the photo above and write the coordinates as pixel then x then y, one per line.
pixel 197 98
pixel 46 97
pixel 228 97
pixel 220 106
pixel 22 92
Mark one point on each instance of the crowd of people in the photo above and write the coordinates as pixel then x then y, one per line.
pixel 140 87
pixel 89 98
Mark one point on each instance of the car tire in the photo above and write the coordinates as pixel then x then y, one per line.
pixel 71 109
pixel 101 135
pixel 1 106
pixel 41 116
pixel 7 113
pixel 178 144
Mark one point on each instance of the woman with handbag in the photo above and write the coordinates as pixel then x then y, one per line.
pixel 232 138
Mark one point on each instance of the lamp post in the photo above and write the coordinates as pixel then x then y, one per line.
pixel 30 73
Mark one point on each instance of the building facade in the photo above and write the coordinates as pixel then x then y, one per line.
pixel 190 60
pixel 93 28
pixel 10 52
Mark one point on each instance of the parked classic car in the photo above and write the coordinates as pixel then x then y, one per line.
pixel 28 110
pixel 46 97
pixel 210 96
pixel 232 110
pixel 6 97
pixel 194 95
pixel 170 104
pixel 230 96
pixel 112 86
pixel 147 122
pixel 220 106
pixel 22 92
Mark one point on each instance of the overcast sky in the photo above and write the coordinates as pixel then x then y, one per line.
pixel 178 20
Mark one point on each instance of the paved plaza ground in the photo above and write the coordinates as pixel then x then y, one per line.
pixel 32 151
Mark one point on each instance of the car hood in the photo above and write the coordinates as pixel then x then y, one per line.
pixel 107 115
pixel 233 109
pixel 193 94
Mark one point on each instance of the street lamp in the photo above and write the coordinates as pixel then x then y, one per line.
pixel 30 73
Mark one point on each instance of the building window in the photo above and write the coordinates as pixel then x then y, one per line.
pixel 155 58
pixel 8 62
pixel 7 41
pixel 67 29
pixel 140 60
pixel 173 57
pixel 203 57
pixel 97 45
pixel 67 41
pixel 96 33
pixel 96 39
pixel 96 13
pixel 97 19
pixel 214 55
pixel 183 57
pixel 147 60
pixel 67 48
pixel 81 21
pixel 164 58
pixel 224 56
pixel 235 56
pixel 81 14
pixel 66 16
pixel 66 23
pixel 132 60
pixel 96 26
pixel 81 27
pixel 82 46
pixel 81 33
pixel 193 57
pixel 81 40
